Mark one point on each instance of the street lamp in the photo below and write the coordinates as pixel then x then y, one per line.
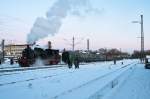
pixel 142 38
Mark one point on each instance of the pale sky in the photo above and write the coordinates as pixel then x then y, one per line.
pixel 112 27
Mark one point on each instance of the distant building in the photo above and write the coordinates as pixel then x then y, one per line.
pixel 14 50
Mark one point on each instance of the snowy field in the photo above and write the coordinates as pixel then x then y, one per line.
pixel 102 80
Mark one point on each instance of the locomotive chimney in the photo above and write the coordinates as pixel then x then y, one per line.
pixel 49 45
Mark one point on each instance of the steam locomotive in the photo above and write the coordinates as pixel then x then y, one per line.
pixel 47 56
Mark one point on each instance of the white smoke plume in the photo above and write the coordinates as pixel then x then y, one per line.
pixel 53 20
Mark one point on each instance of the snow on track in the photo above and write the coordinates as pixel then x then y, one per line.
pixel 13 69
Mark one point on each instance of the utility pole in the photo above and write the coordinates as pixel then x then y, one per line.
pixel 88 45
pixel 142 40
pixel 73 44
pixel 142 56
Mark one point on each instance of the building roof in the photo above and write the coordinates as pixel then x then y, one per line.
pixel 18 45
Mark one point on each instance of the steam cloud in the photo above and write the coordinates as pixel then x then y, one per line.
pixel 53 20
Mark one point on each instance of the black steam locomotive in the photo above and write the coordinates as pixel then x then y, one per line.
pixel 47 56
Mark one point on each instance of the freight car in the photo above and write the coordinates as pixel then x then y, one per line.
pixel 47 56
pixel 83 57
pixel 86 56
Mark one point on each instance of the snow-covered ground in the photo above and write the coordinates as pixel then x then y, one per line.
pixel 91 81
pixel 7 65
pixel 137 86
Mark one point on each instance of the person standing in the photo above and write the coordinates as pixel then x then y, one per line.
pixel 11 61
pixel 146 61
pixel 114 61
pixel 76 62
pixel 69 63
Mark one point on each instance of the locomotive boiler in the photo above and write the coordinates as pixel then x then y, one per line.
pixel 47 56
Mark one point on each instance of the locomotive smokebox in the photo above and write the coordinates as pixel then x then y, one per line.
pixel 49 45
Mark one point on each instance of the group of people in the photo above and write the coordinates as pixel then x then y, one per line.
pixel 70 59
pixel 75 61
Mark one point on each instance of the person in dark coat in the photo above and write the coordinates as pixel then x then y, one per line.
pixel 146 60
pixel 11 61
pixel 66 58
pixel 69 64
pixel 114 61
pixel 76 62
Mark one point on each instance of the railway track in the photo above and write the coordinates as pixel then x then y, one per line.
pixel 31 79
pixel 34 78
pixel 52 75
pixel 92 81
pixel 14 69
